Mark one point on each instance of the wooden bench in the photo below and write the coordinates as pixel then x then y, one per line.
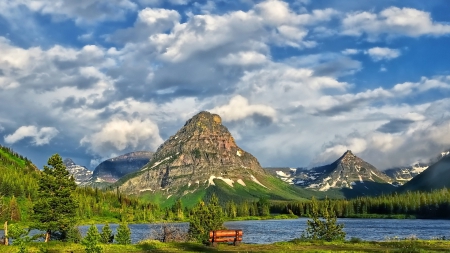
pixel 217 236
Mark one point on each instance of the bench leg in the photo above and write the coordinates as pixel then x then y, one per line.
pixel 236 243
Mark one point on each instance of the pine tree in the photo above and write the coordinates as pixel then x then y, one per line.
pixel 55 207
pixel 123 235
pixel 106 235
pixel 323 229
pixel 205 218
pixel 92 240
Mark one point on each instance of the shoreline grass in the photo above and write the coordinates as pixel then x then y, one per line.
pixel 292 246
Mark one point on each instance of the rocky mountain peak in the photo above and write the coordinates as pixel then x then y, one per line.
pixel 68 162
pixel 203 149
pixel 81 174
pixel 349 171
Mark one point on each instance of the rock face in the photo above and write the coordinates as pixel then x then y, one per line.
pixel 112 169
pixel 349 171
pixel 202 150
pixel 81 174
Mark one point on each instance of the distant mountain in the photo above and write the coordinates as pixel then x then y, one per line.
pixel 437 176
pixel 401 175
pixel 202 158
pixel 349 176
pixel 111 170
pixel 81 174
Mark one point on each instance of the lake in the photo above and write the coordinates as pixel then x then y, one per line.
pixel 269 231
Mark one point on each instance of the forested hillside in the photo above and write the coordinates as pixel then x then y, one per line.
pixel 18 175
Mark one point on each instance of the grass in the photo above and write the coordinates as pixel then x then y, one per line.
pixel 293 246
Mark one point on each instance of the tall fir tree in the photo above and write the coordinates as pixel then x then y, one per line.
pixel 55 207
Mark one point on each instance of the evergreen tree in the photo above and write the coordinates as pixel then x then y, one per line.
pixel 323 229
pixel 106 235
pixel 205 218
pixel 123 235
pixel 92 240
pixel 263 207
pixel 55 208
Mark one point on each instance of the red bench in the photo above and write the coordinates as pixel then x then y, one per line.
pixel 217 236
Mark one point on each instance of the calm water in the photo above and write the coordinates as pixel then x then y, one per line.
pixel 269 231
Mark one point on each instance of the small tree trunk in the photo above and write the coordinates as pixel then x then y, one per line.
pixel 6 233
pixel 47 236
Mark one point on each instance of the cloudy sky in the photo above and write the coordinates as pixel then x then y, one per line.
pixel 297 83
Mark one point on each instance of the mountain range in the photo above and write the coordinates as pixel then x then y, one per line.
pixel 203 158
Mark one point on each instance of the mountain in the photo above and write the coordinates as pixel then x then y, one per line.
pixel 349 175
pixel 81 174
pixel 437 176
pixel 111 170
pixel 401 175
pixel 201 158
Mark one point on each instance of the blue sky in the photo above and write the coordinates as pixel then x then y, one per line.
pixel 296 82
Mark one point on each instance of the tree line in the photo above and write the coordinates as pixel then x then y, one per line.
pixel 429 205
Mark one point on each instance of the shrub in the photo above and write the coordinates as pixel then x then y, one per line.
pixel 74 235
pixel 20 236
pixel 91 241
pixel 123 235
pixel 107 235
pixel 325 229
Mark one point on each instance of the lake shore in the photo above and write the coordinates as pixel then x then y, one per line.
pixel 407 245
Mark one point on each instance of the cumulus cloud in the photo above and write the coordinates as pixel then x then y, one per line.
pixel 118 135
pixel 383 53
pixel 393 22
pixel 239 108
pixel 80 11
pixel 149 21
pixel 244 58
pixel 38 136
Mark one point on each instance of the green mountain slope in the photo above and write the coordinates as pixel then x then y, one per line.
pixel 18 175
pixel 437 176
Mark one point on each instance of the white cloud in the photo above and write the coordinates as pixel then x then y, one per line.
pixel 239 108
pixel 383 53
pixel 118 135
pixel 351 51
pixel 244 58
pixel 39 137
pixel 393 22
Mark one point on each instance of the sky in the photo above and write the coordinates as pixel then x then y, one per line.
pixel 297 83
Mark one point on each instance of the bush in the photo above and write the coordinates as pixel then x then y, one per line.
pixel 325 229
pixel 20 236
pixel 355 240
pixel 123 235
pixel 107 235
pixel 92 240
pixel 73 235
